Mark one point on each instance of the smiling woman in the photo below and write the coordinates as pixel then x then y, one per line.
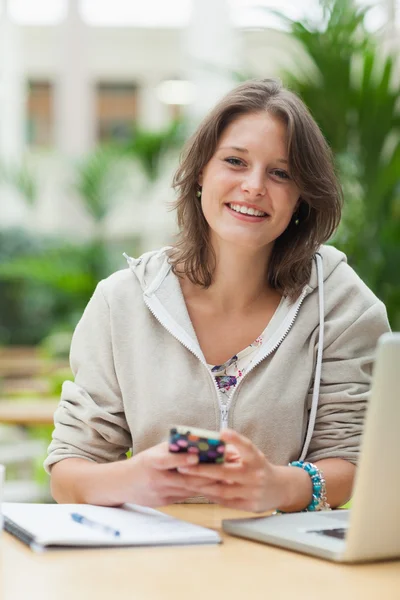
pixel 275 159
pixel 248 324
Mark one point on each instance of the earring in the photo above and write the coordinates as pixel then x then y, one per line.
pixel 198 194
pixel 296 222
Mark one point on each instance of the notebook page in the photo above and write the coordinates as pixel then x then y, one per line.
pixel 52 524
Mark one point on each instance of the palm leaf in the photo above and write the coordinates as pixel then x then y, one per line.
pixel 94 181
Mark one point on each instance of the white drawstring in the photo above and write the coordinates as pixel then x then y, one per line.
pixel 317 377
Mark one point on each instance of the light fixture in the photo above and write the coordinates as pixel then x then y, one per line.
pixel 176 91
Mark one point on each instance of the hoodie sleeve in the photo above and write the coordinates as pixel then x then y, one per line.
pixel 90 421
pixel 345 384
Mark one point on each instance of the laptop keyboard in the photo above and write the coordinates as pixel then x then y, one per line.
pixel 339 533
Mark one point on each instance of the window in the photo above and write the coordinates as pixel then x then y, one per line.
pixel 40 113
pixel 116 110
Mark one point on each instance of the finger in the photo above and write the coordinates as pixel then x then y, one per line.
pixel 231 453
pixel 176 481
pixel 226 472
pixel 183 482
pixel 163 460
pixel 243 445
pixel 221 492
pixel 192 481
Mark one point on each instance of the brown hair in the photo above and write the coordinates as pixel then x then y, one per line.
pixel 310 165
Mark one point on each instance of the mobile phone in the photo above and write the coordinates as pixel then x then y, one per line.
pixel 206 444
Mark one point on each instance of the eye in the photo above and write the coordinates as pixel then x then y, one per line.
pixel 235 162
pixel 280 174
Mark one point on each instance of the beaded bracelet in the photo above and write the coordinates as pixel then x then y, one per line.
pixel 319 501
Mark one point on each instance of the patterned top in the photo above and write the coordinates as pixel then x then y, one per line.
pixel 230 373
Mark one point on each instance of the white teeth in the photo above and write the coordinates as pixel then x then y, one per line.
pixel 247 210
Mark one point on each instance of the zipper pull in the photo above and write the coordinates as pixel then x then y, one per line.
pixel 224 417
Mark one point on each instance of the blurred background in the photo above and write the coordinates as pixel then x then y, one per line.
pixel 96 100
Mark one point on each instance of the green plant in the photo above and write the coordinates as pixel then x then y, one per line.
pixel 95 181
pixel 23 306
pixel 44 434
pixel 22 178
pixel 353 94
pixel 56 380
pixel 58 279
pixel 45 284
pixel 149 147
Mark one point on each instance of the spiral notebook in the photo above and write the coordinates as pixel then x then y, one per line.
pixel 45 526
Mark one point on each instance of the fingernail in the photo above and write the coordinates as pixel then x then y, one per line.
pixel 182 470
pixel 192 460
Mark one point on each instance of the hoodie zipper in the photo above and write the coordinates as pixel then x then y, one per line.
pixel 223 408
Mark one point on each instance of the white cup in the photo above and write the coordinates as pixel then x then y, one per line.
pixel 2 477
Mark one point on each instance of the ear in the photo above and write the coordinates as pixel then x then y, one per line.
pixel 200 178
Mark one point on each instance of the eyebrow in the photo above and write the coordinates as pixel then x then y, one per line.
pixel 245 151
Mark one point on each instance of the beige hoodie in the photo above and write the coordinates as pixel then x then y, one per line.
pixel 139 369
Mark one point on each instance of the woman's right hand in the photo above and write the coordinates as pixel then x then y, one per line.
pixel 151 478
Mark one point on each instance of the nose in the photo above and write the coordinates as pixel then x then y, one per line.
pixel 254 184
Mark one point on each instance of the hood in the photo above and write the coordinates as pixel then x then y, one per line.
pixel 331 259
pixel 152 267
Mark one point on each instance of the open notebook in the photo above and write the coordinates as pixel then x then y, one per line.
pixel 44 526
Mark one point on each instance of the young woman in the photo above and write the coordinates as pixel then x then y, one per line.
pixel 248 324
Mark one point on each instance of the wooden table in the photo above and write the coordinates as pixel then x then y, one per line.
pixel 235 570
pixel 28 412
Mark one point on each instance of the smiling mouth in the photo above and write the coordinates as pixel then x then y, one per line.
pixel 246 210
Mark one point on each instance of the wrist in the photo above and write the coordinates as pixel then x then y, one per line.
pixel 93 490
pixel 295 487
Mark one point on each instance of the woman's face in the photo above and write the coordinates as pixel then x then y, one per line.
pixel 248 197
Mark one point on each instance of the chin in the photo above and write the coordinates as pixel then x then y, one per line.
pixel 242 241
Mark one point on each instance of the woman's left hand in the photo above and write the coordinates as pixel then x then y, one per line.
pixel 246 480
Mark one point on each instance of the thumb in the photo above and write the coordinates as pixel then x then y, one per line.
pixel 165 460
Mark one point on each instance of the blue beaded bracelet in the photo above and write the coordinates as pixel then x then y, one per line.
pixel 319 501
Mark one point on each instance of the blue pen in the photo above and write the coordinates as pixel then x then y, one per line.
pixel 94 524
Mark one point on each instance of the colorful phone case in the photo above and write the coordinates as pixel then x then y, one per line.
pixel 206 444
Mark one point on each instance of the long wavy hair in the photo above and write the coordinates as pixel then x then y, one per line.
pixel 311 167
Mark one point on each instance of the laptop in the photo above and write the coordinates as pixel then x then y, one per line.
pixel 370 530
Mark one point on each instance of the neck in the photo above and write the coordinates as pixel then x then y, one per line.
pixel 240 278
